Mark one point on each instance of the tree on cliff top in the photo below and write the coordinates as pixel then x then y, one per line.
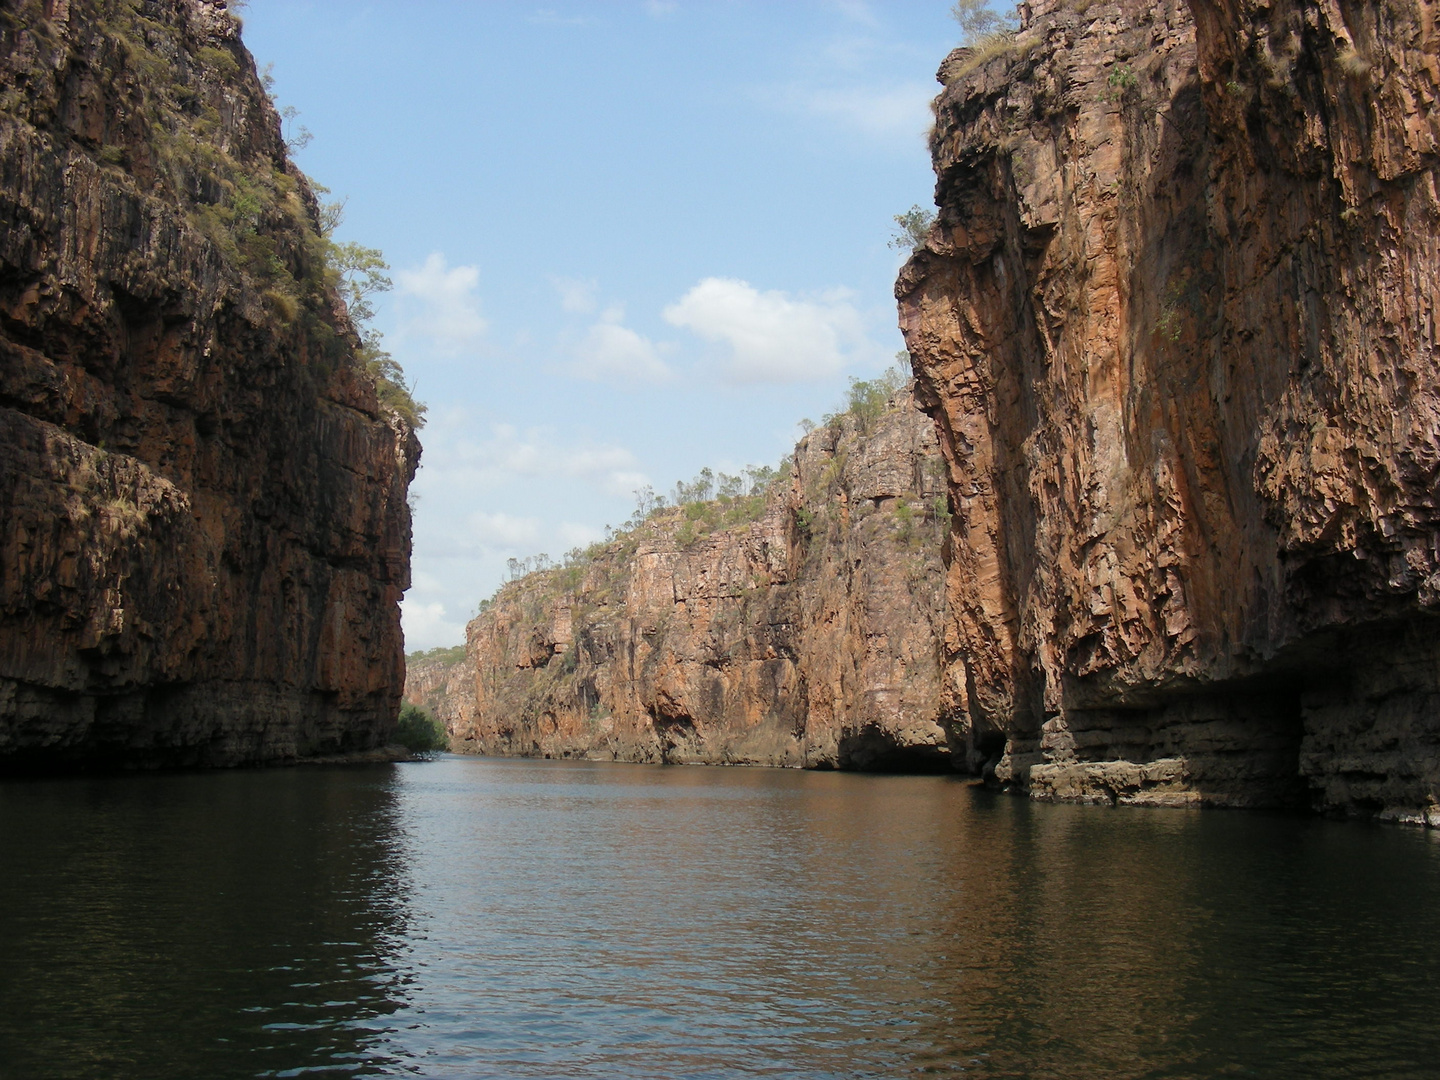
pixel 911 228
pixel 979 23
pixel 358 274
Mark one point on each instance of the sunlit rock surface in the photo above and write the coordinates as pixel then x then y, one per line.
pixel 805 637
pixel 1176 322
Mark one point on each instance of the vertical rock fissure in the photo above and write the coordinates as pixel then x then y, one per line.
pixel 1217 492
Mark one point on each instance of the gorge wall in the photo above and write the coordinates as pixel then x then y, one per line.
pixel 203 523
pixel 1176 322
pixel 803 634
pixel 442 685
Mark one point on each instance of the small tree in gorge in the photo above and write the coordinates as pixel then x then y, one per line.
pixel 911 228
pixel 359 273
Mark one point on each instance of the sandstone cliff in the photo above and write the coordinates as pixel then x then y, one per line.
pixel 441 683
pixel 806 637
pixel 203 525
pixel 1177 324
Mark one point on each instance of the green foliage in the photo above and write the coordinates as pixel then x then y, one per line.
pixel 358 273
pixel 515 569
pixel 1120 81
pixel 740 497
pixel 449 654
pixel 940 511
pixel 418 731
pixel 867 398
pixel 911 228
pixel 700 489
pixel 221 61
pixel 906 525
pixel 712 500
pixel 569 577
pixel 742 510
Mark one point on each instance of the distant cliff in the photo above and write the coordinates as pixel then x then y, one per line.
pixel 203 523
pixel 799 627
pixel 1177 324
pixel 442 682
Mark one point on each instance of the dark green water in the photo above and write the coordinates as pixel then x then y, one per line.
pixel 478 918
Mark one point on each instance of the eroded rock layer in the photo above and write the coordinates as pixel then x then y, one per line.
pixel 203 526
pixel 1176 322
pixel 806 637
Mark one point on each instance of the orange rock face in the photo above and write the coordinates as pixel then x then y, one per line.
pixel 444 687
pixel 1176 325
pixel 807 637
pixel 203 527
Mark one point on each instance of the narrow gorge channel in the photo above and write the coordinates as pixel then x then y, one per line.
pixel 1174 327
pixel 1082 669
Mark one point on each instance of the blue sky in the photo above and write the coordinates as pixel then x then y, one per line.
pixel 628 239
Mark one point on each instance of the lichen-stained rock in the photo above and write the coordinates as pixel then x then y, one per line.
pixel 1176 324
pixel 203 526
pixel 805 637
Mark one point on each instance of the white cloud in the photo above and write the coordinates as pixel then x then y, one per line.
pixel 770 337
pixel 856 11
pixel 472 536
pixel 449 309
pixel 428 624
pixel 467 467
pixel 625 483
pixel 576 295
pixel 551 17
pixel 659 9
pixel 501 532
pixel 612 352
pixel 874 110
pixel 573 535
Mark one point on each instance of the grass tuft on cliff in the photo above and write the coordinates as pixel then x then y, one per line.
pixel 246 197
pixel 984 33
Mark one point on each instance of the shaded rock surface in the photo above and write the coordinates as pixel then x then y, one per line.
pixel 203 527
pixel 1176 323
pixel 806 637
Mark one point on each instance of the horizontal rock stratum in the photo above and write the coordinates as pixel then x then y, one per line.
pixel 203 524
pixel 1177 324
pixel 802 630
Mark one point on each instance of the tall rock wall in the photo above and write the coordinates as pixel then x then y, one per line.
pixel 1176 323
pixel 805 637
pixel 203 527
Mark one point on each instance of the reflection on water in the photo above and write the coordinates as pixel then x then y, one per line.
pixel 476 918
pixel 209 925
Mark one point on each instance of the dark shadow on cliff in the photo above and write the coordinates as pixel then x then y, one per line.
pixel 873 749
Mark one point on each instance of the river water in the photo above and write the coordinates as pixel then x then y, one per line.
pixel 485 918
